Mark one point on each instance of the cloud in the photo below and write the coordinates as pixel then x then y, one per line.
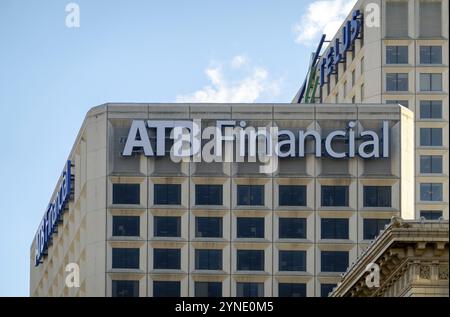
pixel 254 85
pixel 323 16
pixel 238 61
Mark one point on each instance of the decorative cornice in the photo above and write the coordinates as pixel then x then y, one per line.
pixel 393 251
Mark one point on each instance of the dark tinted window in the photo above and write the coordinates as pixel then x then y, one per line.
pixel 430 136
pixel 166 289
pixel 292 228
pixel 325 289
pixel 430 82
pixel 431 214
pixel 334 228
pixel 125 258
pixel 334 195
pixel 250 195
pixel 291 290
pixel 430 109
pixel 208 195
pixel 168 259
pixel 396 54
pixel 126 194
pixel 250 227
pixel 431 192
pixel 292 260
pixel 250 260
pixel 167 194
pixel 292 195
pixel 397 82
pixel 249 289
pixel 431 54
pixel 125 226
pixel 208 259
pixel 377 196
pixel 334 261
pixel 208 289
pixel 372 227
pixel 125 288
pixel 431 164
pixel 167 226
pixel 208 227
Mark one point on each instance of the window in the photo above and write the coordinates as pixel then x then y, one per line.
pixel 362 92
pixel 377 196
pixel 250 195
pixel 292 260
pixel 334 195
pixel 250 260
pixel 431 164
pixel 396 54
pixel 430 137
pixel 431 109
pixel 208 194
pixel 430 19
pixel 166 289
pixel 354 99
pixel 326 289
pixel 362 65
pixel 208 227
pixel 431 214
pixel 125 288
pixel 292 195
pixel 431 192
pixel 208 259
pixel 167 194
pixel 167 226
pixel 125 226
pixel 372 227
pixel 353 78
pixel 291 290
pixel 404 103
pixel 249 289
pixel 397 81
pixel 430 82
pixel 334 228
pixel 334 261
pixel 166 259
pixel 397 19
pixel 208 289
pixel 126 194
pixel 125 258
pixel 250 227
pixel 431 54
pixel 292 228
pixel 344 87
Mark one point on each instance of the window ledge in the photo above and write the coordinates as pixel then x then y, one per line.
pixel 251 240
pixel 209 272
pixel 127 271
pixel 168 239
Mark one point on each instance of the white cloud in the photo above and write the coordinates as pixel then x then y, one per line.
pixel 254 86
pixel 238 61
pixel 323 16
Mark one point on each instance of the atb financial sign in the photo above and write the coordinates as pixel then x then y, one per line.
pixel 234 141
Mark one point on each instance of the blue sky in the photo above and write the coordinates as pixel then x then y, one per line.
pixel 128 51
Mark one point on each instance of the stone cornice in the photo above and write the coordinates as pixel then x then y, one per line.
pixel 393 250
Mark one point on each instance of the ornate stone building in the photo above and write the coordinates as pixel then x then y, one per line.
pixel 411 258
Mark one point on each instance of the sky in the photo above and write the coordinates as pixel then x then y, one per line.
pixel 129 51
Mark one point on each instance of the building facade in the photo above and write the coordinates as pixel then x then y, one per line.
pixel 399 53
pixel 138 223
pixel 412 257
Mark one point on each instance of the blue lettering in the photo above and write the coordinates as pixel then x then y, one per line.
pixel 52 215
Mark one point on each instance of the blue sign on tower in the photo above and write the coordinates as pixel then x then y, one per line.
pixel 53 214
